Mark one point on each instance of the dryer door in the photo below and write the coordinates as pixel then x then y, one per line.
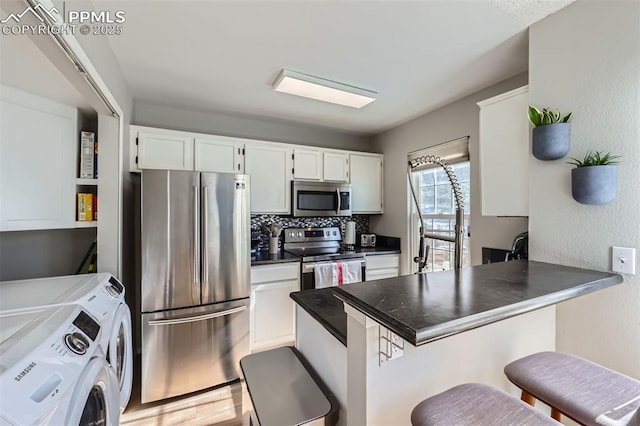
pixel 95 399
pixel 120 352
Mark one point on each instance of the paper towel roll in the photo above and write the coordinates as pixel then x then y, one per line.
pixel 350 233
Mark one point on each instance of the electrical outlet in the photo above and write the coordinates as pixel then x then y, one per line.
pixel 623 260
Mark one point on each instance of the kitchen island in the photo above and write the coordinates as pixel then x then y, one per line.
pixel 414 336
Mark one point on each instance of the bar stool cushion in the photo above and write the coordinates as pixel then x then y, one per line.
pixel 580 389
pixel 476 404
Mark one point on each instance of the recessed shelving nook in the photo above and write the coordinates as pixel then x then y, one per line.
pixel 45 160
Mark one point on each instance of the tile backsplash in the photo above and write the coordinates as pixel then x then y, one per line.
pixel 362 225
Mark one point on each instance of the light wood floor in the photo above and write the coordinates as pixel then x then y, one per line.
pixel 220 406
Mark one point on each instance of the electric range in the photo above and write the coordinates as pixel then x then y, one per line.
pixel 317 245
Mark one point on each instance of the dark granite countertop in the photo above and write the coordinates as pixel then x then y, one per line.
pixel 422 308
pixel 370 251
pixel 264 258
pixel 385 245
pixel 325 308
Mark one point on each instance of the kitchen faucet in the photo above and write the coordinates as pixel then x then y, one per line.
pixel 423 253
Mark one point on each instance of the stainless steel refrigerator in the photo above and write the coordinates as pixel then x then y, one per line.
pixel 195 255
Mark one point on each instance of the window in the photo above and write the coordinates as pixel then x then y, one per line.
pixel 436 201
pixel 437 205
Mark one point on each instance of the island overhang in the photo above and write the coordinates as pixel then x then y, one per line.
pixel 422 308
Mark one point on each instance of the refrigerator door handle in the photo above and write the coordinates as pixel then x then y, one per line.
pixel 205 242
pixel 196 318
pixel 196 237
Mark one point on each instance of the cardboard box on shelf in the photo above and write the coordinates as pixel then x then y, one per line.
pixel 85 207
pixel 87 155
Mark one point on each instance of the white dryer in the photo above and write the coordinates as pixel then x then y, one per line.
pixel 102 295
pixel 53 371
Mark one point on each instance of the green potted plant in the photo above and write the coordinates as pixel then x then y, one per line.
pixel 595 178
pixel 551 133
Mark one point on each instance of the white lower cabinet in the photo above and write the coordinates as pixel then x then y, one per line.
pixel 382 266
pixel 272 319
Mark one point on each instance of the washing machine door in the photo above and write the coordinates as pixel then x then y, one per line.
pixel 120 352
pixel 95 399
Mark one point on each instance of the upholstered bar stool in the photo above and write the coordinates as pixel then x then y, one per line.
pixel 586 392
pixel 476 404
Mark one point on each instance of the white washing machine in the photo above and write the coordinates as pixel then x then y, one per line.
pixel 102 295
pixel 53 371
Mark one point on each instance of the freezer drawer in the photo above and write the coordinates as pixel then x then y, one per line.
pixel 186 350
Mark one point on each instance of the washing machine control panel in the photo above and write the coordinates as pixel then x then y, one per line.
pixel 104 299
pixel 87 325
pixel 115 288
pixel 77 343
pixel 75 340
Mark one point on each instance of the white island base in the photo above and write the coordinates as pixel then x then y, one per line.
pixel 371 392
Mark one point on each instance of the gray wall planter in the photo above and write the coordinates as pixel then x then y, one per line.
pixel 594 184
pixel 551 141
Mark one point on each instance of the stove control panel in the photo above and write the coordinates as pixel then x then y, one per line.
pixel 302 235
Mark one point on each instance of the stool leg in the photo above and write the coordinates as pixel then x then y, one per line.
pixel 528 398
pixel 556 414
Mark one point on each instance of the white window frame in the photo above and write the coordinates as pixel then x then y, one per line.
pixel 415 231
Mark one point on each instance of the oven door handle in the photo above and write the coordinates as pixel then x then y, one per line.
pixel 306 268
pixel 339 206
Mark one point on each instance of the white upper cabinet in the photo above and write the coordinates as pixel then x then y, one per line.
pixel 219 154
pixel 272 166
pixel 336 166
pixel 366 183
pixel 164 149
pixel 38 154
pixel 307 164
pixel 504 154
pixel 269 165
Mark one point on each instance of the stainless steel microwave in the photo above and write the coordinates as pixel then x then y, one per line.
pixel 320 199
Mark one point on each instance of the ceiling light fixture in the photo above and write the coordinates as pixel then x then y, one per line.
pixel 308 86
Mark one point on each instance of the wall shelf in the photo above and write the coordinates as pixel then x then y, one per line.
pixel 86 223
pixel 86 181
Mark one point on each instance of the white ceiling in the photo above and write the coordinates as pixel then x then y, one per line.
pixel 223 56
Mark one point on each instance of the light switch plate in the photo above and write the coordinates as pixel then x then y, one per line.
pixel 623 260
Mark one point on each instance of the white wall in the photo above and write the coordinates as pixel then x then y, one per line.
pixel 458 119
pixel 586 59
pixel 43 253
pixel 246 127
